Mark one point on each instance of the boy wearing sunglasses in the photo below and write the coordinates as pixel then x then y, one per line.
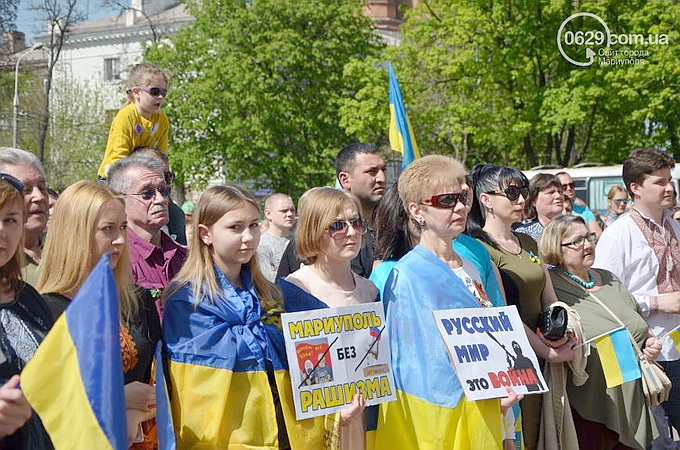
pixel 140 123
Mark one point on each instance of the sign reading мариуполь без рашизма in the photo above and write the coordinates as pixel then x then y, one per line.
pixel 334 353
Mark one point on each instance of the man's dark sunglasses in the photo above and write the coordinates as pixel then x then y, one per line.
pixel 12 181
pixel 511 192
pixel 148 194
pixel 447 200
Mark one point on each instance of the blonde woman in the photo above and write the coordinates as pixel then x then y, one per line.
pixel 617 203
pixel 89 220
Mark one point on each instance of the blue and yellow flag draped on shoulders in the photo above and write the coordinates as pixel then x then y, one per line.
pixel 401 135
pixel 75 380
pixel 218 356
pixel 431 410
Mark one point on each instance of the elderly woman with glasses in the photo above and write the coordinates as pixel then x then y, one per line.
pixel 329 234
pixel 604 417
pixel 431 410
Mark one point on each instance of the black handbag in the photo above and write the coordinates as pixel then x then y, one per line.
pixel 553 322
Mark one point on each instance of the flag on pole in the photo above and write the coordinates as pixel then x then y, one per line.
pixel 401 135
pixel 617 357
pixel 166 431
pixel 75 380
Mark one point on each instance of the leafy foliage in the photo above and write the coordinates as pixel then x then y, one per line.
pixel 256 87
pixel 484 81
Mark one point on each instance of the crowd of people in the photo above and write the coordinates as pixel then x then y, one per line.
pixel 211 280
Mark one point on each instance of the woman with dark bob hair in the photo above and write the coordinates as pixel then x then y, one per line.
pixel 545 201
pixel 499 199
pixel 605 418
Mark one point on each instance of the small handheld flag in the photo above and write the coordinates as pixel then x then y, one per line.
pixel 617 357
pixel 401 135
pixel 75 380
pixel 675 336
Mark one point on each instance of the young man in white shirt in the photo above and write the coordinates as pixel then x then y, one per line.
pixel 642 249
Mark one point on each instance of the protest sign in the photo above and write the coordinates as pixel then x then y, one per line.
pixel 490 350
pixel 334 353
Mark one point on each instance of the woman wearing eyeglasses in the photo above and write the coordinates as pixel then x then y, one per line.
pixel 431 410
pixel 604 417
pixel 617 203
pixel 328 236
pixel 499 200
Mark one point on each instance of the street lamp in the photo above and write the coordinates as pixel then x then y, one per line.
pixel 15 124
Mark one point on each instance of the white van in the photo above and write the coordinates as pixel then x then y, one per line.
pixel 592 181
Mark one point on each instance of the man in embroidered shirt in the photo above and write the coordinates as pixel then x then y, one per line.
pixel 154 256
pixel 279 211
pixel 641 248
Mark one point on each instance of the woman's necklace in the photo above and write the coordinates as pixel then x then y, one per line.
pixel 516 252
pixel 585 284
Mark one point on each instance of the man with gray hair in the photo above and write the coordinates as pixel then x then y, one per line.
pixel 26 168
pixel 154 256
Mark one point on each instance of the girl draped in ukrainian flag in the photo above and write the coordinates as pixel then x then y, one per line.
pixel 229 384
pixel 431 410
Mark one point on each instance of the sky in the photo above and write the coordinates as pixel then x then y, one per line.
pixel 31 25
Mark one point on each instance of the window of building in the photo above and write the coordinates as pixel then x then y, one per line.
pixel 111 69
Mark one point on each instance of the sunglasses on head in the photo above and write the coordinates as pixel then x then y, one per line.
pixel 622 201
pixel 12 181
pixel 154 91
pixel 341 226
pixel 169 177
pixel 511 192
pixel 447 200
pixel 148 194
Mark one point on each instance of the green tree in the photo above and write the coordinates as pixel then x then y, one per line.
pixel 256 88
pixel 484 81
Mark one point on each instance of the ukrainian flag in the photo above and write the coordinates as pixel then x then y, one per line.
pixel 401 135
pixel 75 380
pixel 675 336
pixel 618 359
pixel 218 358
pixel 164 427
pixel 431 411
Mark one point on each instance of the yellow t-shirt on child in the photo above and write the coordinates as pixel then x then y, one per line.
pixel 130 130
